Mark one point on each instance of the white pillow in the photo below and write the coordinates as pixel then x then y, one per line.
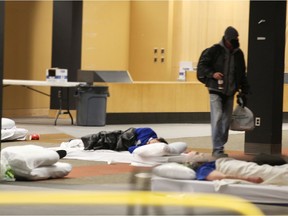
pixel 29 157
pixel 57 170
pixel 7 123
pixel 7 133
pixel 176 148
pixel 174 171
pixel 152 150
pixel 14 134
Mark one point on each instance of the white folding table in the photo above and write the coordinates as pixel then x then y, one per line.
pixel 29 83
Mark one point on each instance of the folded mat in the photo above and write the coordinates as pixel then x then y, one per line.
pixel 256 193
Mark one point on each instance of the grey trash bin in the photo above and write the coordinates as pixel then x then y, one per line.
pixel 91 105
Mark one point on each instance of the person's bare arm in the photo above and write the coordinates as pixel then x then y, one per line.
pixel 216 175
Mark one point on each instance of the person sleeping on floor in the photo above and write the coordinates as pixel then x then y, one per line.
pixel 119 140
pixel 266 169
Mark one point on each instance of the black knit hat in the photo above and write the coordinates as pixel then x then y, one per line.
pixel 230 33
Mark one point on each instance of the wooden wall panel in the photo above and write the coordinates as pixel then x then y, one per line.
pixel 105 35
pixel 158 97
pixel 149 31
pixel 285 98
pixel 27 54
pixel 191 25
pixel 124 98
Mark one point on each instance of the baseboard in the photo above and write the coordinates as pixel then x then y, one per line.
pixel 268 148
pixel 285 117
pixel 154 118
pixel 127 118
pixel 14 113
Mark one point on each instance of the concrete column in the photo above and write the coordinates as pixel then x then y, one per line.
pixel 66 47
pixel 266 51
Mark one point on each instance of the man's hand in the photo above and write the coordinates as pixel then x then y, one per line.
pixel 218 75
pixel 241 100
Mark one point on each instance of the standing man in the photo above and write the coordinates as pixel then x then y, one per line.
pixel 222 69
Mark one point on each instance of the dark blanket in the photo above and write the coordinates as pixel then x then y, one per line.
pixel 114 140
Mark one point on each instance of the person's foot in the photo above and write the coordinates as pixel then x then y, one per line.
pixel 61 153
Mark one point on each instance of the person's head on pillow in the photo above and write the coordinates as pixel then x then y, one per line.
pixel 157 140
pixel 195 165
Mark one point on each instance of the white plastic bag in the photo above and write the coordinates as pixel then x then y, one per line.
pixel 6 173
pixel 242 119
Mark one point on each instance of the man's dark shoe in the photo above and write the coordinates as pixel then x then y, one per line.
pixel 219 154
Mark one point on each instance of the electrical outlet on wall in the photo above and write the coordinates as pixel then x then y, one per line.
pixel 257 121
pixel 155 50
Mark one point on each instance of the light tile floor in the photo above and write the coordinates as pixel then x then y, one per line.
pixel 198 132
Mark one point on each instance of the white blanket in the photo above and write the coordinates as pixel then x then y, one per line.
pixel 111 157
pixel 276 175
pixel 108 156
pixel 75 150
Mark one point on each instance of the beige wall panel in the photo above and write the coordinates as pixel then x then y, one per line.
pixel 23 98
pixel 124 98
pixel 221 14
pixel 285 98
pixel 200 24
pixel 157 97
pixel 122 35
pixel 27 52
pixel 192 98
pixel 105 38
pixel 149 29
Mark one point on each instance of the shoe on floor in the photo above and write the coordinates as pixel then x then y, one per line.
pixel 219 154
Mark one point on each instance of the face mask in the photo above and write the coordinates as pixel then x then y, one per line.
pixel 235 43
